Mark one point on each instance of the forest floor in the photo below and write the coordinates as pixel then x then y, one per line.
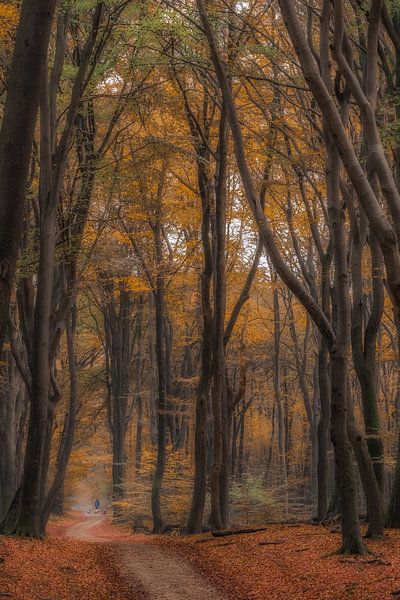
pixel 86 558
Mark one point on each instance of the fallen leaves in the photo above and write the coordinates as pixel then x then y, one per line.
pixel 57 569
pixel 287 568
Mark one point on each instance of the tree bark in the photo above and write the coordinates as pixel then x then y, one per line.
pixel 160 314
pixel 16 136
pixel 55 495
pixel 351 536
pixel 161 410
pixel 117 324
pixel 12 421
pixel 279 405
pixel 219 515
pixel 201 438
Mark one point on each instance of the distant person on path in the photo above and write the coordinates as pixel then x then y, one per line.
pixel 97 505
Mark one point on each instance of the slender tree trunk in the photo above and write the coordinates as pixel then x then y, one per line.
pixel 55 495
pixel 195 519
pixel 323 432
pixel 139 433
pixel 364 335
pixel 153 428
pixel 119 353
pixel 314 440
pixel 241 444
pixel 324 397
pixel 279 405
pixel 369 481
pixel 351 536
pixel 160 313
pixel 161 408
pixel 138 387
pixel 58 505
pixel 219 516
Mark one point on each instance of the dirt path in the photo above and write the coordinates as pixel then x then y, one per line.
pixel 161 575
pixel 83 530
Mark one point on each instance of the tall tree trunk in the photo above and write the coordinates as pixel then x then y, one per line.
pixel 55 495
pixel 366 100
pixel 160 313
pixel 241 466
pixel 314 439
pixel 367 474
pixel 12 421
pixel 279 405
pixel 324 396
pixel 16 136
pixel 351 536
pixel 161 410
pixel 393 509
pixel 219 515
pixel 138 385
pixel 365 329
pixel 119 356
pixel 28 520
pixel 153 427
pixel 195 519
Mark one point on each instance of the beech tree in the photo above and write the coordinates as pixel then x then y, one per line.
pixel 24 86
pixel 200 302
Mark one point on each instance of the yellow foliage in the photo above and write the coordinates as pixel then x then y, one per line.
pixel 9 16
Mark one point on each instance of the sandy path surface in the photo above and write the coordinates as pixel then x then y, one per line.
pixel 161 575
pixel 83 530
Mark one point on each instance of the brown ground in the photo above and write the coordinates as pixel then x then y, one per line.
pixel 298 565
pixel 159 574
pixel 87 559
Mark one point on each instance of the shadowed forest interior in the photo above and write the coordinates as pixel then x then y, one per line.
pixel 200 264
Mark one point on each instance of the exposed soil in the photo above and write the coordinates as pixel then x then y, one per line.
pixel 159 574
pixel 85 558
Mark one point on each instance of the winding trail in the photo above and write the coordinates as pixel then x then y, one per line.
pixel 162 576
pixel 83 530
